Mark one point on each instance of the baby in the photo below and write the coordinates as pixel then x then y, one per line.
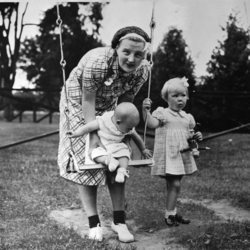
pixel 112 127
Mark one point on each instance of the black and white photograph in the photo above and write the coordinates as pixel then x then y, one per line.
pixel 125 125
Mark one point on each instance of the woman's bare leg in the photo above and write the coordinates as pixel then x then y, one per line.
pixel 88 196
pixel 117 194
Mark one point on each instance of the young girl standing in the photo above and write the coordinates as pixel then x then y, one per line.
pixel 172 156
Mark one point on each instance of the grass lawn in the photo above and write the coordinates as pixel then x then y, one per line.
pixel 31 187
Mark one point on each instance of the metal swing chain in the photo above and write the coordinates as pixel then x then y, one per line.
pixel 62 61
pixel 63 64
pixel 152 27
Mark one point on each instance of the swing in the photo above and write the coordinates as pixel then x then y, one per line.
pixel 72 165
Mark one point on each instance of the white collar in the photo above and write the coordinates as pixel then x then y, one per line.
pixel 180 113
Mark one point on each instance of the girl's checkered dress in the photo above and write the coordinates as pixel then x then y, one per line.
pixel 98 71
pixel 170 138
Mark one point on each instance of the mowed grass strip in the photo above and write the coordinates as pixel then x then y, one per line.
pixel 31 187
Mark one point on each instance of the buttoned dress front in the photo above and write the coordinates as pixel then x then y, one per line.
pixel 92 74
pixel 171 137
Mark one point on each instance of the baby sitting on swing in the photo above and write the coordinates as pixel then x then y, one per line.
pixel 112 127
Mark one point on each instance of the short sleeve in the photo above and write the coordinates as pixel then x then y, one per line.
pixel 104 119
pixel 99 119
pixel 192 122
pixel 159 114
pixel 92 76
pixel 92 69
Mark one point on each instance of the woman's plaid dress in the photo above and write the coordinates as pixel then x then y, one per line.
pixel 98 71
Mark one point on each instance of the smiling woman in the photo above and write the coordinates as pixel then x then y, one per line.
pixel 131 53
pixel 103 78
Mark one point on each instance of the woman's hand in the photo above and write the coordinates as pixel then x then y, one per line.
pixel 146 104
pixel 147 153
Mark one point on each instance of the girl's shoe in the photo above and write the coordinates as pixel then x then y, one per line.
pixel 95 233
pixel 181 220
pixel 171 221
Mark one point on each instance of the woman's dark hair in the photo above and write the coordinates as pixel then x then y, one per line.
pixel 124 31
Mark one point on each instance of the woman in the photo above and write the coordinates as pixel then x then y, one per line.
pixel 103 77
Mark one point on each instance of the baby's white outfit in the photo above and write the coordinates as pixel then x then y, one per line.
pixel 111 138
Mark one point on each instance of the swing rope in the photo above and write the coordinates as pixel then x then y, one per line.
pixel 152 27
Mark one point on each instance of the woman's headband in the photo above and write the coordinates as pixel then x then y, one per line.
pixel 131 31
pixel 135 35
pixel 132 35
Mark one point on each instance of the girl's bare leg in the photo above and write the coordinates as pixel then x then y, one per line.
pixel 173 190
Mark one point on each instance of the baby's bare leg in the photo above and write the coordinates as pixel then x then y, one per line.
pixel 101 159
pixel 109 161
pixel 122 171
pixel 100 155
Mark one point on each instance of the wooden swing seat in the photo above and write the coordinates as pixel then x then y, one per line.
pixel 131 163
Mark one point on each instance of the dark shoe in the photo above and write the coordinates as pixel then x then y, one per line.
pixel 181 220
pixel 171 221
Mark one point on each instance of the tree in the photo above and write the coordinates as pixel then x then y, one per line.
pixel 229 66
pixel 170 60
pixel 228 81
pixel 80 33
pixel 11 28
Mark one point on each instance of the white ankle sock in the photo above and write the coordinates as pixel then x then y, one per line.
pixel 170 212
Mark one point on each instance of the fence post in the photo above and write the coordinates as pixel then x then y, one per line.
pixel 34 114
pixel 21 116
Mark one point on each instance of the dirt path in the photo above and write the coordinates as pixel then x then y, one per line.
pixel 77 220
pixel 161 239
pixel 222 209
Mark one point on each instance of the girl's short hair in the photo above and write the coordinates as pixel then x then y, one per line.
pixel 127 30
pixel 172 84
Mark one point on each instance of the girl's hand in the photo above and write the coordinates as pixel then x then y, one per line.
pixel 198 136
pixel 147 153
pixel 146 104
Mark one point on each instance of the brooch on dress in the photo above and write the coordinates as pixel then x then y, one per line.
pixel 110 80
